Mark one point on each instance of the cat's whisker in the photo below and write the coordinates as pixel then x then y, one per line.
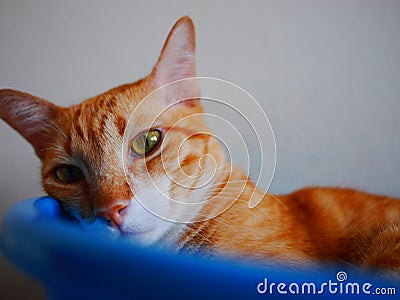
pixel 207 197
pixel 197 233
pixel 209 186
pixel 257 208
pixel 54 126
pixel 278 200
pixel 217 218
pixel 215 185
pixel 204 199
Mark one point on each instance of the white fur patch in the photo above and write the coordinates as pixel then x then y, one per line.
pixel 142 220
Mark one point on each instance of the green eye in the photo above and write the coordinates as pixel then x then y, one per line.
pixel 68 174
pixel 146 142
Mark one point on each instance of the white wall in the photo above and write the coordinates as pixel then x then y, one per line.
pixel 326 72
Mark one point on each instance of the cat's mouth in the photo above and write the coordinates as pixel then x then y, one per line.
pixel 143 238
pixel 131 231
pixel 137 232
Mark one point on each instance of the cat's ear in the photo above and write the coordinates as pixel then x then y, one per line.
pixel 177 58
pixel 29 115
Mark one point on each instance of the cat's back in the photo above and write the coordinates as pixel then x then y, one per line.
pixel 342 199
pixel 335 219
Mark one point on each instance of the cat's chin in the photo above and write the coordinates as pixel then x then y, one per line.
pixel 146 237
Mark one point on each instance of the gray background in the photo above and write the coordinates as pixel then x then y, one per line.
pixel 326 72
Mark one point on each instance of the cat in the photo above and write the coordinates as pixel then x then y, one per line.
pixel 87 150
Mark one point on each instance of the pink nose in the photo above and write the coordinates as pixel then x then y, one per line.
pixel 113 214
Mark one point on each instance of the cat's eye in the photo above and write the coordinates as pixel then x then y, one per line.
pixel 68 174
pixel 146 142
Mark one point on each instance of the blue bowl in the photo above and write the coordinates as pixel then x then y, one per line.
pixel 74 264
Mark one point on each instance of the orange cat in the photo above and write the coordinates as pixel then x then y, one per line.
pixel 143 176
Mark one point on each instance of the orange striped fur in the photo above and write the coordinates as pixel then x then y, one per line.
pixel 306 226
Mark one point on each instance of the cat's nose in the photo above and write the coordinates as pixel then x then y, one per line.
pixel 113 215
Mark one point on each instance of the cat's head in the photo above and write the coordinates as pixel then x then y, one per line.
pixel 123 156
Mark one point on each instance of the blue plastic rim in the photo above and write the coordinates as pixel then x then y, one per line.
pixel 74 264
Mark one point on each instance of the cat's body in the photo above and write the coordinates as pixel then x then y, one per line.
pixel 310 225
pixel 102 164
